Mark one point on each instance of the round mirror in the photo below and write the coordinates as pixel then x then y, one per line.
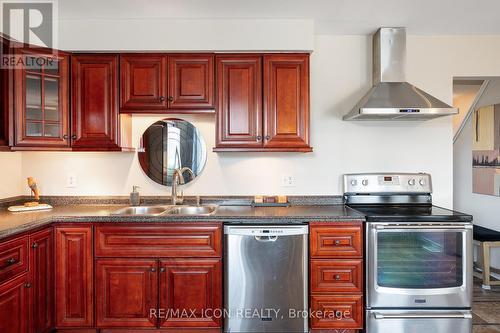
pixel 171 144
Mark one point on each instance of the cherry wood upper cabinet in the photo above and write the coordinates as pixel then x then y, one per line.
pixel 14 306
pixel 126 290
pixel 41 100
pixel 143 82
pixel 6 98
pixel 263 112
pixel 286 101
pixel 161 83
pixel 191 81
pixel 94 89
pixel 42 272
pixel 74 277
pixel 239 107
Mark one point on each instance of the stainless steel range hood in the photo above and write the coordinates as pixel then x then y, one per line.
pixel 391 97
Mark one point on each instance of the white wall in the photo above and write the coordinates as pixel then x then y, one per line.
pixel 340 75
pixel 184 34
pixel 484 208
pixel 10 175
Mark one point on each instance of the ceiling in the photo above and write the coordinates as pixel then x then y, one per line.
pixel 421 17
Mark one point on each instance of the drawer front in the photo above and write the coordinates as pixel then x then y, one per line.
pixel 336 240
pixel 174 240
pixel 13 258
pixel 336 276
pixel 337 311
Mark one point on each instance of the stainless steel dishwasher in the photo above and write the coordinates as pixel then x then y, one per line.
pixel 266 278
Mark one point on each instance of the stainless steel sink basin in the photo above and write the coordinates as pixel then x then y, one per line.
pixel 141 210
pixel 193 210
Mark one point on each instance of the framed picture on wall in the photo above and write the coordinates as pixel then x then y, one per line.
pixel 486 150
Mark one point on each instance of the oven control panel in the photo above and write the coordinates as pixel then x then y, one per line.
pixel 387 183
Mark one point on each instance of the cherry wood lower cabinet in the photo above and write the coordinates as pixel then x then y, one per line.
pixel 158 276
pixel 74 276
pixel 193 287
pixel 14 306
pixel 336 275
pixel 127 292
pixel 42 277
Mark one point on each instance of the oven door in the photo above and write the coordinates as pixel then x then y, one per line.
pixel 424 265
pixel 410 321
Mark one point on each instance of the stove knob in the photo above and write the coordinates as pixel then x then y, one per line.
pixel 422 182
pixel 365 182
pixel 411 182
pixel 354 182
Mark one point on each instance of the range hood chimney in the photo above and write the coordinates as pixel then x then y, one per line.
pixel 391 97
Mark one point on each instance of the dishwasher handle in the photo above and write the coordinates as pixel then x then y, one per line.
pixel 266 239
pixel 269 231
pixel 416 315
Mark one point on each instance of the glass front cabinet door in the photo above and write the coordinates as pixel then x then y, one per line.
pixel 41 100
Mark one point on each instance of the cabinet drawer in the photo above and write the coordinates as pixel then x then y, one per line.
pixel 336 240
pixel 337 311
pixel 336 276
pixel 173 240
pixel 13 258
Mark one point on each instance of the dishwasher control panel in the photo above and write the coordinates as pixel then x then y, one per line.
pixel 266 230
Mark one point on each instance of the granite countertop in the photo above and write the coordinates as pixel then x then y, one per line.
pixel 14 223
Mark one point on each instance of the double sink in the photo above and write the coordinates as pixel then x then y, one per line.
pixel 196 210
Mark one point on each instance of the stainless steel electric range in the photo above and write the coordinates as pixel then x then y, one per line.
pixel 419 256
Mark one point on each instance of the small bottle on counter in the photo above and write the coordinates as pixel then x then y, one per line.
pixel 135 197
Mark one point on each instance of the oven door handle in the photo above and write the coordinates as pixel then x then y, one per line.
pixel 458 315
pixel 423 226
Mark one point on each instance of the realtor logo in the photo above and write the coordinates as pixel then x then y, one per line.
pixel 29 22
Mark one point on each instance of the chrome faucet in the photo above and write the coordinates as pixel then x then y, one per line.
pixel 178 179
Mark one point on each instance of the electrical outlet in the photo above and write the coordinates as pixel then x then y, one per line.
pixel 287 181
pixel 71 180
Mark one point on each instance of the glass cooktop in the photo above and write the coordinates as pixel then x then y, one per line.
pixel 408 213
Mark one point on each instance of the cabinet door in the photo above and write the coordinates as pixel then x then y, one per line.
pixel 14 306
pixel 74 279
pixel 286 101
pixel 189 286
pixel 41 100
pixel 191 81
pixel 239 112
pixel 6 91
pixel 143 83
pixel 94 84
pixel 42 272
pixel 127 292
